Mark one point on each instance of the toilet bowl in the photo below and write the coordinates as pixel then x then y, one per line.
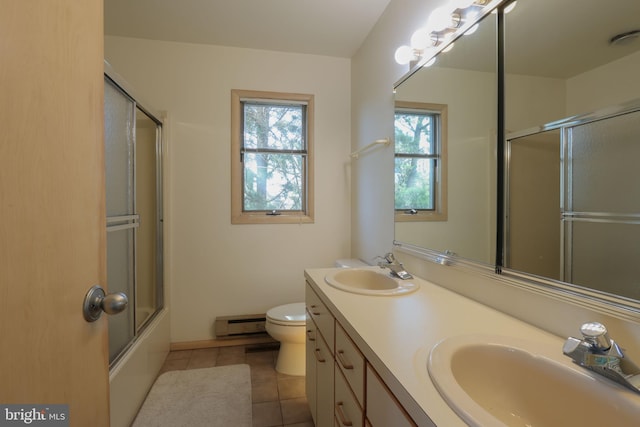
pixel 287 324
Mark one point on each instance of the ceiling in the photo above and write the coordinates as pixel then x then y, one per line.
pixel 326 27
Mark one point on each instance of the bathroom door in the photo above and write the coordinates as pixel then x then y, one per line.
pixel 52 221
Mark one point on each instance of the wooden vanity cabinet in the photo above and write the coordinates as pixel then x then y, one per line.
pixel 310 367
pixel 319 360
pixel 348 411
pixel 351 363
pixel 383 409
pixel 343 389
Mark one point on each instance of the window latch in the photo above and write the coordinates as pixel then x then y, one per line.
pixel 273 213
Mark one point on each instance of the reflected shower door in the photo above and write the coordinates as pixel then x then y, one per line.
pixel 602 217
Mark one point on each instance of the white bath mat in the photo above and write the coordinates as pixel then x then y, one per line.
pixel 219 396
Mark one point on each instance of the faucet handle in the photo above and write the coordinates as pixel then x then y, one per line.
pixel 389 257
pixel 596 335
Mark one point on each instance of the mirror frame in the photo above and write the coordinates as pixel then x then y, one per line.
pixel 621 307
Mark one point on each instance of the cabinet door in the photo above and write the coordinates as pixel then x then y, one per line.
pixel 311 377
pixel 350 362
pixel 348 411
pixel 321 316
pixel 382 407
pixel 324 383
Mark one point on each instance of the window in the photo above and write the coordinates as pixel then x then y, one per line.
pixel 420 161
pixel 272 157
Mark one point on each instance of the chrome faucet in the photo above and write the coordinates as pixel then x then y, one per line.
pixel 599 353
pixel 397 269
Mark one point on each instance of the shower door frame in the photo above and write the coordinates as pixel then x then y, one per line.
pixel 133 221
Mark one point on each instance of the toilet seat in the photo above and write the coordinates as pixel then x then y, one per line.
pixel 288 315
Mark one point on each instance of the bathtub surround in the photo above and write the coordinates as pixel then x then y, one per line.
pixel 218 396
pixel 133 375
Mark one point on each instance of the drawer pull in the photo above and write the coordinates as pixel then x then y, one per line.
pixel 343 419
pixel 310 336
pixel 313 310
pixel 343 360
pixel 319 358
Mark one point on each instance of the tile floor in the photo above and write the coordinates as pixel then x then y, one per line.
pixel 278 400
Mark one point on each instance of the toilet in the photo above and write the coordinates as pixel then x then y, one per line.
pixel 287 324
pixel 350 263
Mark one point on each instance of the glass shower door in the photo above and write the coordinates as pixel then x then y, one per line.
pixel 134 215
pixel 121 218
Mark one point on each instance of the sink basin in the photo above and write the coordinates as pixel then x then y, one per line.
pixel 501 381
pixel 369 282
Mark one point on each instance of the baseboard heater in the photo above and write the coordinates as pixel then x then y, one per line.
pixel 240 326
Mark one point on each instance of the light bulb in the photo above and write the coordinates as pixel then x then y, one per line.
pixel 439 19
pixel 448 48
pixel 430 62
pixel 420 39
pixel 462 4
pixel 507 9
pixel 471 30
pixel 510 7
pixel 404 55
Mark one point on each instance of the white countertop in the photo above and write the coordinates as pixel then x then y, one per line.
pixel 396 334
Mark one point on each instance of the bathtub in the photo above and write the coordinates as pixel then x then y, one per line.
pixel 134 373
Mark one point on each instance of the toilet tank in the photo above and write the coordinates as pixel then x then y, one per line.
pixel 350 263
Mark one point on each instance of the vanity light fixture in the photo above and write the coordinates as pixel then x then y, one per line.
pixel 442 24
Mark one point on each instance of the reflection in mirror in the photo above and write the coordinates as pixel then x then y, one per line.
pixel 462 82
pixel 573 140
pixel 533 222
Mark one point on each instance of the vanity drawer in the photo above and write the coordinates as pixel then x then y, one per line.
pixel 351 363
pixel 347 410
pixel 321 316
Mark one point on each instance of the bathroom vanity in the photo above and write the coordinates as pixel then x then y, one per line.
pixel 367 355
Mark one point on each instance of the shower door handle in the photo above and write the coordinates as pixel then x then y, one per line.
pixel 96 301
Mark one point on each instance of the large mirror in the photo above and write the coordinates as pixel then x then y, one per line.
pixel 447 113
pixel 572 96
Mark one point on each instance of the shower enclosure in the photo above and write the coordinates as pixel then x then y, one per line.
pixel 133 147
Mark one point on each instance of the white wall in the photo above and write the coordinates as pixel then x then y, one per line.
pixel 216 268
pixel 611 84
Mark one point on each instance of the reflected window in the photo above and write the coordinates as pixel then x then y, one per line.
pixel 420 153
